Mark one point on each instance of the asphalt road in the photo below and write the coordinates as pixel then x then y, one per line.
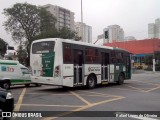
pixel 136 97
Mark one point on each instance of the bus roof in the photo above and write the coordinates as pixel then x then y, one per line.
pixel 78 42
pixel 9 62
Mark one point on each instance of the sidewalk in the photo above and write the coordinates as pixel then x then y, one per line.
pixel 144 71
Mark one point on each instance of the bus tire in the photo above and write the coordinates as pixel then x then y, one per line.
pixel 91 82
pixel 38 84
pixel 6 85
pixel 120 79
pixel 27 85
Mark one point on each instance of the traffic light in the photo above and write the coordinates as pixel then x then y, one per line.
pixel 106 36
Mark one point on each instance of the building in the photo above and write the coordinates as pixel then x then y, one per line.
pixel 128 38
pixel 84 31
pixel 65 18
pixel 154 29
pixel 139 48
pixel 113 33
pixel 146 46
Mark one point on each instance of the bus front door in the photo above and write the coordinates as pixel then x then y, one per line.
pixel 104 66
pixel 78 67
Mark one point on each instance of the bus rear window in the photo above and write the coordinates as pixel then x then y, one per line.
pixel 43 47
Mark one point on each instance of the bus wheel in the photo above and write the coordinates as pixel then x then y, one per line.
pixel 38 85
pixel 6 85
pixel 120 79
pixel 27 85
pixel 91 82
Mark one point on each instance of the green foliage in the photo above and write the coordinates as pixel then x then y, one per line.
pixel 27 21
pixel 66 33
pixel 3 47
pixel 22 54
pixel 23 20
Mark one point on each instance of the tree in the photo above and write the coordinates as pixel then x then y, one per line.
pixel 22 54
pixel 3 47
pixel 25 21
pixel 66 33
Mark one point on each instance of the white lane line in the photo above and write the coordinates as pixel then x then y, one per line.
pixel 152 89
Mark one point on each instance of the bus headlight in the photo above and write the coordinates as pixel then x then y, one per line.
pixel 9 96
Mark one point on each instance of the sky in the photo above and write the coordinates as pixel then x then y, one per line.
pixel 131 15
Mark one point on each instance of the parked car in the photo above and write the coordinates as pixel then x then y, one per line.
pixel 14 73
pixel 6 101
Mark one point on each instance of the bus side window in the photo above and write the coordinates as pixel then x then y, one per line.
pixel 114 60
pixel 92 55
pixel 113 57
pixel 67 54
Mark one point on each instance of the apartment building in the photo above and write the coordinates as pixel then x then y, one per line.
pixel 114 33
pixel 154 29
pixel 84 31
pixel 65 18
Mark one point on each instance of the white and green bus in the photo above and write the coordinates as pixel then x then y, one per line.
pixel 70 63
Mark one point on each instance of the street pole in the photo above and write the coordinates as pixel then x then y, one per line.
pixel 154 62
pixel 82 20
pixel 81 12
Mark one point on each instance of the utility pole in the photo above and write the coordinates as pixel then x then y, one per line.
pixel 154 61
pixel 82 20
pixel 81 12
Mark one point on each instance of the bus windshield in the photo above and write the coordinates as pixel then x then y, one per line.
pixel 43 47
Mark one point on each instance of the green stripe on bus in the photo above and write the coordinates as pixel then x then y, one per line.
pixel 2 63
pixel 20 81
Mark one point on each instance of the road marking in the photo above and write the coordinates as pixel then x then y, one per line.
pixel 129 89
pixel 146 82
pixel 102 94
pixel 81 98
pixel 95 95
pixel 67 113
pixel 106 101
pixel 135 88
pixel 20 100
pixel 152 89
pixel 82 108
pixel 52 105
